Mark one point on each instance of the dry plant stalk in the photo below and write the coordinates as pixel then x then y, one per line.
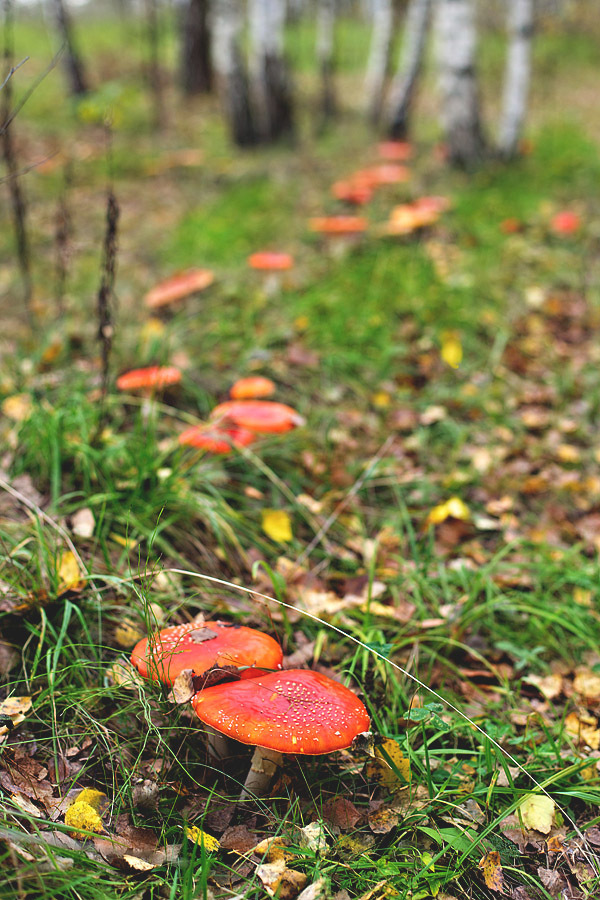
pixel 62 236
pixel 106 292
pixel 17 197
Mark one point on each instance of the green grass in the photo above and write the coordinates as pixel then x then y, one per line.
pixel 512 593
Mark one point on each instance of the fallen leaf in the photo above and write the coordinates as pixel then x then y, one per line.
pixel 383 820
pixel 341 813
pixel 453 508
pixel 451 350
pixel 584 729
pixel 276 524
pixel 13 709
pixel 197 836
pixel 280 881
pixel 492 871
pixel 83 523
pixel 537 812
pixel 183 688
pixel 70 577
pixel 313 837
pixel 587 683
pixel 389 767
pixel 17 407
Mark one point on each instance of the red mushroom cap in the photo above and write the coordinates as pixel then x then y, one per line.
pixel 205 647
pixel 215 439
pixel 251 387
pixel 178 286
pixel 298 711
pixel 565 222
pixel 155 377
pixel 261 416
pixel 384 173
pixel 352 191
pixel 338 225
pixel 395 151
pixel 271 261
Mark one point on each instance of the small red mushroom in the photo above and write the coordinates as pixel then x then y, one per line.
pixel 297 711
pixel 260 416
pixel 353 191
pixel 152 378
pixel 178 286
pixel 340 232
pixel 395 151
pixel 565 222
pixel 271 265
pixel 385 173
pixel 205 648
pixel 215 439
pixel 252 387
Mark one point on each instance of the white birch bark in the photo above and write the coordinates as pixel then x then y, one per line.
pixel 271 88
pixel 230 70
pixel 379 57
pixel 402 88
pixel 516 76
pixel 326 13
pixel 456 41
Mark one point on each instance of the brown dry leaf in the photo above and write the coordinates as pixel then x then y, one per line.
pixel 584 729
pixel 553 881
pixel 17 407
pixel 183 688
pixel 587 683
pixel 123 674
pixel 550 686
pixel 313 837
pixel 26 805
pixel 70 576
pixel 238 838
pixel 492 871
pixel 341 813
pixel 278 880
pixel 8 657
pixel 318 890
pixel 272 849
pixel 383 820
pixel 15 708
pixel 138 864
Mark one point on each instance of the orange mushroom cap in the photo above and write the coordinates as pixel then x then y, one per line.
pixel 565 222
pixel 435 202
pixel 385 173
pixel 215 439
pixel 252 386
pixel 338 225
pixel 154 377
pixel 261 416
pixel 298 711
pixel 271 261
pixel 352 191
pixel 395 151
pixel 178 286
pixel 203 648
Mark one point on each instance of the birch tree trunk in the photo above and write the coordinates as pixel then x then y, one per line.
pixel 402 89
pixel 196 68
pixel 379 57
pixel 326 12
pixel 154 73
pixel 232 78
pixel 456 45
pixel 271 86
pixel 516 76
pixel 72 60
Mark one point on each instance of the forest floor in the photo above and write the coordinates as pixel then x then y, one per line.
pixel 433 527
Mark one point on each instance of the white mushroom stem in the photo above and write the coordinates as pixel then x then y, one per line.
pixel 271 284
pixel 217 745
pixel 263 769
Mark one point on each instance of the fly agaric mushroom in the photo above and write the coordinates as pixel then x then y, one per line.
pixel 354 191
pixel 215 439
pixel 340 232
pixel 205 648
pixel 271 265
pixel 260 416
pixel 297 711
pixel 149 380
pixel 395 151
pixel 178 286
pixel 210 650
pixel 565 222
pixel 252 387
pixel 383 174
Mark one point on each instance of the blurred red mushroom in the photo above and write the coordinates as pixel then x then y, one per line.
pixel 565 222
pixel 297 711
pixel 178 286
pixel 252 387
pixel 354 191
pixel 149 380
pixel 395 151
pixel 271 264
pixel 260 416
pixel 339 232
pixel 215 439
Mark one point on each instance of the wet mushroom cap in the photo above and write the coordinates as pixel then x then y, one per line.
pixel 215 439
pixel 155 377
pixel 271 261
pixel 261 416
pixel 252 387
pixel 203 648
pixel 298 711
pixel 178 286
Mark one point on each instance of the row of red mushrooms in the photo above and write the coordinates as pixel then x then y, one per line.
pixel 294 711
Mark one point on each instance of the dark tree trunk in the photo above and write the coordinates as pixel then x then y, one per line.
pixel 196 66
pixel 403 87
pixel 232 78
pixel 271 84
pixel 154 73
pixel 326 14
pixel 238 107
pixel 73 64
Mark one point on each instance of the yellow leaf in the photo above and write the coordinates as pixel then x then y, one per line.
pixel 195 834
pixel 15 708
pixel 584 729
pixel 388 764
pixel 277 525
pixel 453 508
pixel 492 871
pixel 537 812
pixel 451 352
pixel 17 407
pixel 70 577
pixel 85 813
pixel 381 400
